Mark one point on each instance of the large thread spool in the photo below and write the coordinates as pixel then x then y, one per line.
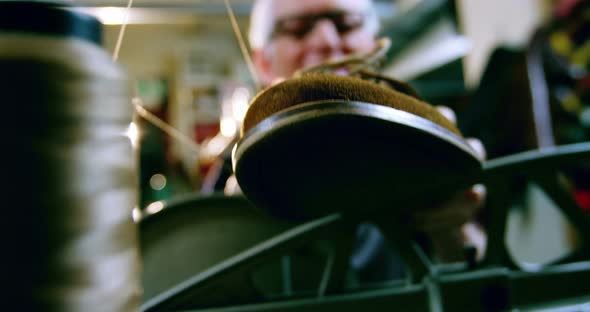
pixel 67 106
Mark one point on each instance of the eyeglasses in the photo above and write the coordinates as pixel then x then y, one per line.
pixel 299 26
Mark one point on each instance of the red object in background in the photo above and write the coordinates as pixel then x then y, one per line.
pixel 563 8
pixel 583 198
pixel 201 132
pixel 204 169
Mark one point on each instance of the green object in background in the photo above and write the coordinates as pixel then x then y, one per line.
pixel 153 92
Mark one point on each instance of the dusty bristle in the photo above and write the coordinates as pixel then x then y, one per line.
pixel 317 87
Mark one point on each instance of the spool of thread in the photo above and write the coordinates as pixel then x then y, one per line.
pixel 67 107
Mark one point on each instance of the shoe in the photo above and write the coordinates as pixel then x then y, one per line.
pixel 321 143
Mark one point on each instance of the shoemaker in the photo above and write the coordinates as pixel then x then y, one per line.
pixel 286 36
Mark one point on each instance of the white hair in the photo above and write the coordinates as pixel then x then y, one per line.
pixel 261 22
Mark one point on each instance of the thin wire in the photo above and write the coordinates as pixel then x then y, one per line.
pixel 138 101
pixel 242 44
pixel 355 63
pixel 162 125
pixel 122 31
pixel 155 120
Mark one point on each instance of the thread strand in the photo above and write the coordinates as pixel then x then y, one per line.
pixel 122 30
pixel 242 44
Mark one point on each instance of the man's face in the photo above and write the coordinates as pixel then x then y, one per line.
pixel 309 32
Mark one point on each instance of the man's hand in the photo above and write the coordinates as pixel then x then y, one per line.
pixel 451 226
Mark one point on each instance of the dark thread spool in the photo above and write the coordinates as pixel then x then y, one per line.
pixel 67 106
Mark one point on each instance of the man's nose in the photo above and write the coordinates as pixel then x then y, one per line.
pixel 323 37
